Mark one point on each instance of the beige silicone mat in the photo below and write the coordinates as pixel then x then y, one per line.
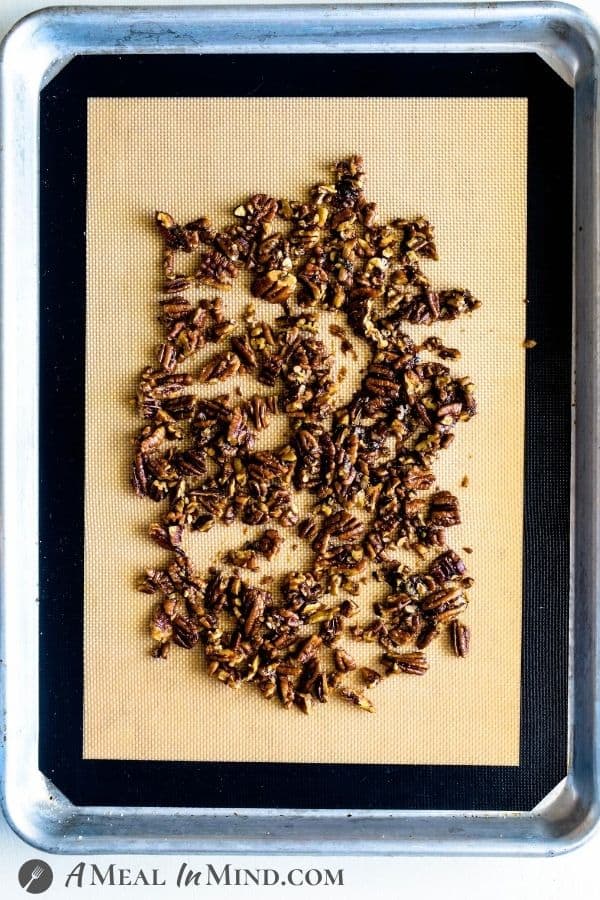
pixel 460 162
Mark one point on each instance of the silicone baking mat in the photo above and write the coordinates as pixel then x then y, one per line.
pixel 124 136
pixel 462 163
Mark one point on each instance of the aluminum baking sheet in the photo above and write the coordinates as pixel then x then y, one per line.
pixel 35 53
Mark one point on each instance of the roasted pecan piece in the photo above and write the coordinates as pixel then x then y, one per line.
pixel 219 368
pixel 260 409
pixel 409 663
pixel 313 280
pixel 456 302
pixel 185 632
pixel 444 510
pixel 161 629
pixel 244 559
pixel 258 209
pixel 176 237
pixel 343 661
pixel 460 637
pixel 242 347
pixel 287 695
pixel 168 537
pixel 416 236
pixel 309 648
pixel 357 699
pixel 446 566
pixel 427 634
pixel 255 601
pixel 268 543
pixel 276 286
pixel 216 269
pixel 371 677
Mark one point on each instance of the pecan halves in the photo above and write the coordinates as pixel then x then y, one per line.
pixel 446 565
pixel 268 544
pixel 161 628
pixel 185 632
pixel 460 637
pixel 444 510
pixel 408 663
pixel 354 478
pixel 357 699
pixel 242 347
pixel 219 368
pixel 276 286
pixel 216 270
pixel 175 236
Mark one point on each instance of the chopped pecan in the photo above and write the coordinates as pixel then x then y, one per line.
pixel 242 347
pixel 460 636
pixel 409 663
pixel 268 544
pixel 443 509
pixel 244 559
pixel 185 632
pixel 343 661
pixel 176 237
pixel 371 677
pixel 216 269
pixel 219 368
pixel 276 286
pixel 357 699
pixel 255 601
pixel 445 566
pixel 365 464
pixel 161 628
pixel 168 537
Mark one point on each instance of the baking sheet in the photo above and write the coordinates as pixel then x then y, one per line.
pixel 461 162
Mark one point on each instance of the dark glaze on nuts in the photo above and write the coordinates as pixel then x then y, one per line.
pixel 367 465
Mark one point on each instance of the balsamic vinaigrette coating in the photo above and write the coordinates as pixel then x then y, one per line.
pixel 367 465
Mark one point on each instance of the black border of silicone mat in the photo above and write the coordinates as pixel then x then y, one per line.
pixel 548 414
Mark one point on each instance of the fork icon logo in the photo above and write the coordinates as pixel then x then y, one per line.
pixel 35 876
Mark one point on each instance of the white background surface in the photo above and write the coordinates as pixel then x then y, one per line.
pixel 483 878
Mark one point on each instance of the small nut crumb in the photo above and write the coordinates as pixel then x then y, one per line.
pixel 357 699
pixel 371 677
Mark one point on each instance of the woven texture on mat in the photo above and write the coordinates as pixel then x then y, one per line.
pixel 462 164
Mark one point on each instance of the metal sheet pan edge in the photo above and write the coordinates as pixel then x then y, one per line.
pixel 36 49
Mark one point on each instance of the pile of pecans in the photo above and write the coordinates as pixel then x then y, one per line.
pixel 366 465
